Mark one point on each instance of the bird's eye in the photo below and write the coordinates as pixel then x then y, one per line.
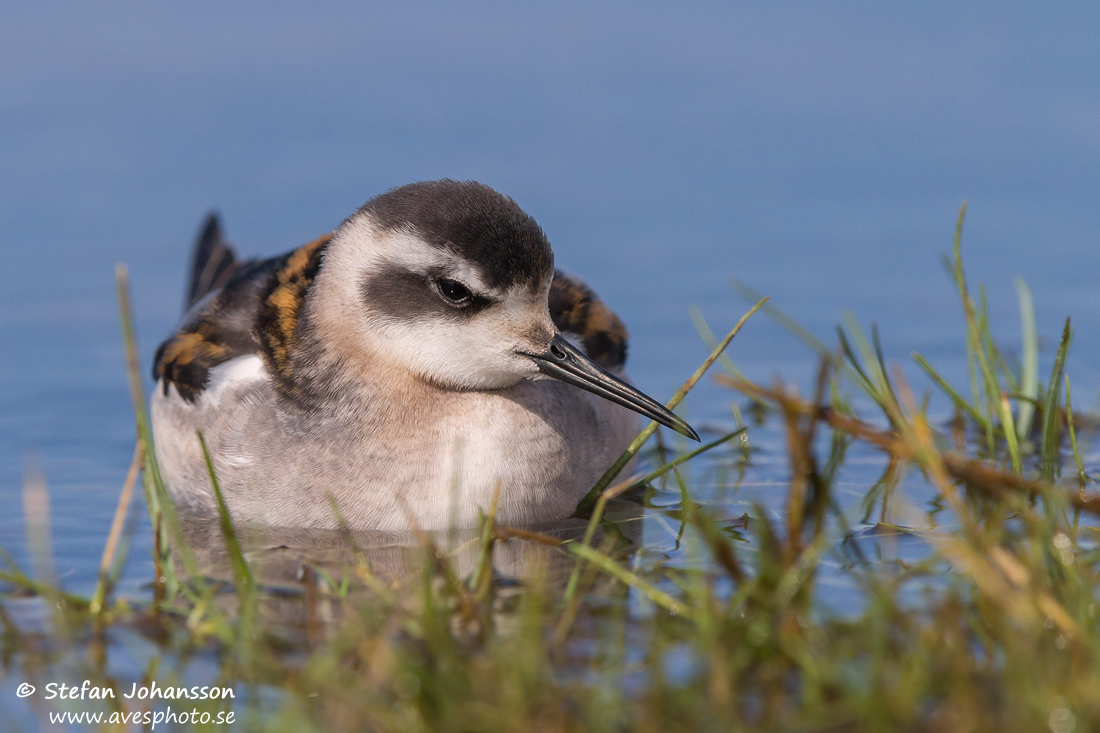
pixel 454 292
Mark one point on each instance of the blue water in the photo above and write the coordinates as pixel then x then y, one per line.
pixel 817 152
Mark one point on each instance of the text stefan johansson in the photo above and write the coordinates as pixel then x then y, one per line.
pixel 151 691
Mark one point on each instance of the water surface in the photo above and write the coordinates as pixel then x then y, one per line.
pixel 817 153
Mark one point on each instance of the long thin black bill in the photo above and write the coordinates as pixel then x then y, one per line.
pixel 568 364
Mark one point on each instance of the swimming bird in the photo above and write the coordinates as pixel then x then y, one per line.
pixel 398 373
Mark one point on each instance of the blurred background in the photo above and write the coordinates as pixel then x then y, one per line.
pixel 817 152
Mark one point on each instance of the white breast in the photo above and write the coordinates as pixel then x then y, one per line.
pixel 431 461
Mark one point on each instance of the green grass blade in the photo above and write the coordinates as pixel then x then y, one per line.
pixel 1010 435
pixel 612 568
pixel 887 387
pixel 1029 367
pixel 657 473
pixel 957 398
pixel 861 379
pixel 711 340
pixel 161 510
pixel 1050 406
pixel 983 385
pixel 1082 478
pixel 241 572
pixel 617 467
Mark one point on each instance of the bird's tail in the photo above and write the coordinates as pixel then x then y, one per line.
pixel 212 263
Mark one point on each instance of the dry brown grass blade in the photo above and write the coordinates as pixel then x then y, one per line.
pixel 803 470
pixel 36 510
pixel 123 506
pixel 115 533
pixel 505 532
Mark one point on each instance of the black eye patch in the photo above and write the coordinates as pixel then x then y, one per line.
pixel 404 295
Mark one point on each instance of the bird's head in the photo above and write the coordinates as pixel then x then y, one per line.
pixel 450 281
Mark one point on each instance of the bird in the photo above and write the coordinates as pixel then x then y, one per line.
pixel 418 367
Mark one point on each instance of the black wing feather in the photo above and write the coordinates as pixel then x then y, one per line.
pixel 213 263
